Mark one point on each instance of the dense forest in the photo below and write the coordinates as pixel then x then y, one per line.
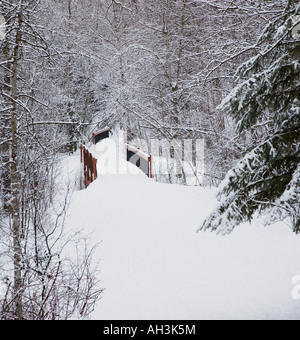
pixel 157 69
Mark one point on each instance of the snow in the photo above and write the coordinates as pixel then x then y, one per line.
pixel 3 289
pixel 2 27
pixel 154 266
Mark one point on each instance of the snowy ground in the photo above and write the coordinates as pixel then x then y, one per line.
pixel 154 266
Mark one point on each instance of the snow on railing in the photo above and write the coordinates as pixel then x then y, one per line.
pixel 139 159
pixel 89 166
pixel 135 156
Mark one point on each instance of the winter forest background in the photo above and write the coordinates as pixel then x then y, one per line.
pixel 157 69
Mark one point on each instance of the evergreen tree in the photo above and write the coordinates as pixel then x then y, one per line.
pixel 267 98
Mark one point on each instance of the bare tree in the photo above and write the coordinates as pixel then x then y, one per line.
pixel 32 227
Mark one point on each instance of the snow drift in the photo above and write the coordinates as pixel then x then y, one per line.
pixel 155 266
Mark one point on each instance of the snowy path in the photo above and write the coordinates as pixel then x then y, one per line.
pixel 155 266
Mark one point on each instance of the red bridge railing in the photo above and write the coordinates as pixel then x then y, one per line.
pixel 89 166
pixel 99 136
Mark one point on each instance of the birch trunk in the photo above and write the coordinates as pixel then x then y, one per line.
pixel 18 285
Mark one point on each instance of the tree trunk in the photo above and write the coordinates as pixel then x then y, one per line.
pixel 18 285
pixel 5 147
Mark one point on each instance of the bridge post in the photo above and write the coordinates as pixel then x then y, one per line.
pixel 95 168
